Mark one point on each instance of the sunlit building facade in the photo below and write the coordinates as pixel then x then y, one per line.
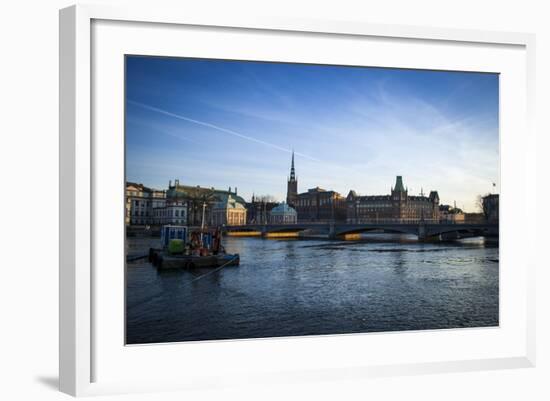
pixel 399 206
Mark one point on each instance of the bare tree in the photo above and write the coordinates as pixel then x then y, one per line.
pixel 196 197
pixel 265 198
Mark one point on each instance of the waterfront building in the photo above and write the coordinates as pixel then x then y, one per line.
pixel 218 206
pixel 292 185
pixel 399 206
pixel 449 214
pixel 183 205
pixel 490 207
pixel 283 214
pixel 141 204
pixel 135 203
pixel 319 205
pixel 257 211
pixel 228 210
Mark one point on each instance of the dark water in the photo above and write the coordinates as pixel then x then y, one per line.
pixel 306 287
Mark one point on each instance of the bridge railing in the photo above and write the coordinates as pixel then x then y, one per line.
pixel 392 221
pixel 412 221
pixel 363 221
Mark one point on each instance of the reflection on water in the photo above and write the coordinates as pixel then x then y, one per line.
pixel 304 287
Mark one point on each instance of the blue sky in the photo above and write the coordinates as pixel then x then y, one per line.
pixel 234 124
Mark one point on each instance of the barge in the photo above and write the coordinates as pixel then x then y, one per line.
pixel 182 249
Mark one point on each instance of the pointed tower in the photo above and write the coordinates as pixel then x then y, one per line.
pixel 292 172
pixel 399 198
pixel 292 185
pixel 399 187
pixel 399 192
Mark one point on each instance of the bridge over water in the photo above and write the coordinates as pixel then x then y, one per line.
pixel 423 230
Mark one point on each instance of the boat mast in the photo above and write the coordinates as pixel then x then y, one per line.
pixel 202 222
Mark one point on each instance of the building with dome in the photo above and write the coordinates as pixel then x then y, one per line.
pixel 228 210
pixel 283 214
pixel 221 207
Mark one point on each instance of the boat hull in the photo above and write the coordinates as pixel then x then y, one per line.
pixel 162 261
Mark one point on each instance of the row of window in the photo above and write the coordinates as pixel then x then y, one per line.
pixel 156 194
pixel 157 221
pixel 236 218
pixel 169 212
pixel 375 205
pixel 394 211
pixel 156 205
pixel 138 203
pixel 313 202
pixel 383 205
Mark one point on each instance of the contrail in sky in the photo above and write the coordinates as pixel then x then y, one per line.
pixel 227 131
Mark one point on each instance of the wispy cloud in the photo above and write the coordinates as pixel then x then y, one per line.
pixel 161 129
pixel 221 129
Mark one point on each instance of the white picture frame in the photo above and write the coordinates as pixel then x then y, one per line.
pixel 80 159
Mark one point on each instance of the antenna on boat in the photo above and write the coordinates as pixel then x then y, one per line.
pixel 202 222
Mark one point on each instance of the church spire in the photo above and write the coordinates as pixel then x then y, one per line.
pixel 292 185
pixel 292 172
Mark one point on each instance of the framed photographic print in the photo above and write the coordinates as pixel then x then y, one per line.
pixel 266 200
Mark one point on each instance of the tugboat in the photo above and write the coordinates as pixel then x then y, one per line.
pixel 204 249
